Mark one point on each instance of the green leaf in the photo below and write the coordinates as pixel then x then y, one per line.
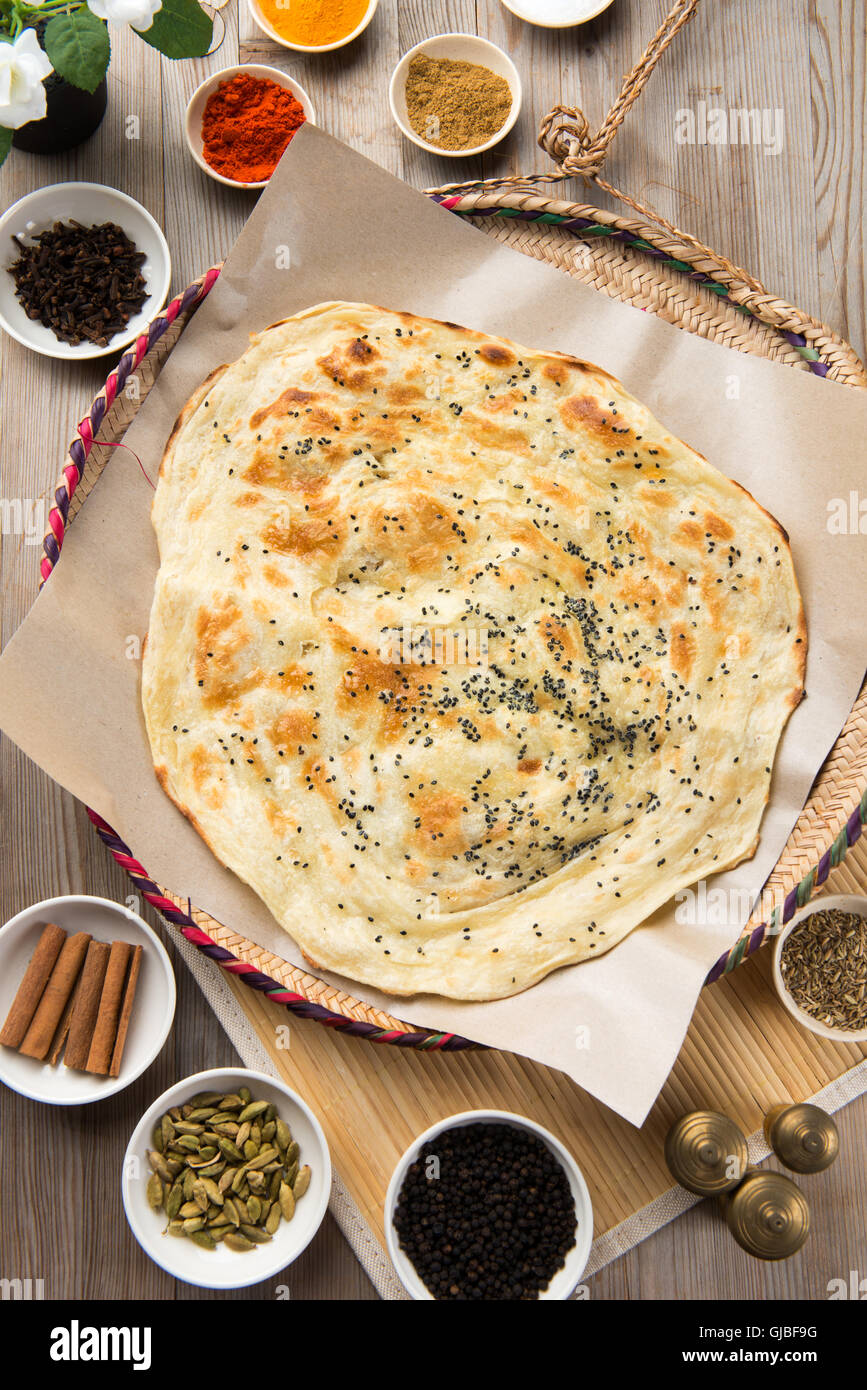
pixel 5 142
pixel 78 48
pixel 181 29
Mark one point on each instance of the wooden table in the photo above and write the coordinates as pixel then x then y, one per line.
pixel 793 218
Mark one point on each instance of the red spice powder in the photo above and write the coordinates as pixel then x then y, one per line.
pixel 247 124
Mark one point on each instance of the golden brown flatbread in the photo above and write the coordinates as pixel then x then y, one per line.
pixel 456 655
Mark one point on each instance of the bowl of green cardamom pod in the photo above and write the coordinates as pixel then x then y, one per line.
pixel 226 1178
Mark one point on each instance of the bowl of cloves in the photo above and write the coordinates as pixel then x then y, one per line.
pixel 83 270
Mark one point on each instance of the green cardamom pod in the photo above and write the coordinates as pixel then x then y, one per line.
pixel 231 1150
pixel 234 1240
pixel 231 1102
pixel 287 1201
pixel 253 1233
pixel 174 1200
pixel 252 1110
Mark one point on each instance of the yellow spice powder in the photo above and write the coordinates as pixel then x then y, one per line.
pixel 314 22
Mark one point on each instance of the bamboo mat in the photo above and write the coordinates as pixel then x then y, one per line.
pixel 742 1054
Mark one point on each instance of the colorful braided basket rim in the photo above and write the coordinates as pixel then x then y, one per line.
pixel 185 304
pixel 587 228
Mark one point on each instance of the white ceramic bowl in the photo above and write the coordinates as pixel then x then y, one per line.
pixel 465 48
pixel 566 1279
pixel 88 203
pixel 577 12
pixel 152 1014
pixel 846 903
pixel 222 1268
pixel 269 29
pixel 196 107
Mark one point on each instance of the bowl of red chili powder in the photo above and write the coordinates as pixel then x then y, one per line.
pixel 240 120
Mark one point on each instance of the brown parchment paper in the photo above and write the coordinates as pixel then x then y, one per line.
pixel 69 680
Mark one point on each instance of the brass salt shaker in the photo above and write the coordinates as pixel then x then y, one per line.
pixel 768 1215
pixel 803 1137
pixel 706 1153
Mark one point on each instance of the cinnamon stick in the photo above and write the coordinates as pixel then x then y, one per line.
pixel 30 991
pixel 126 1011
pixel 62 1032
pixel 84 1014
pixel 61 982
pixel 105 1031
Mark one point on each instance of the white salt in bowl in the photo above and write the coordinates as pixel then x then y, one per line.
pixel 556 14
pixel 843 902
pixel 464 48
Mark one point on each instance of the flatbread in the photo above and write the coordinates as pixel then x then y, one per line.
pixel 364 488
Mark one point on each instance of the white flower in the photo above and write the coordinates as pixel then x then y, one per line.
pixel 137 13
pixel 22 68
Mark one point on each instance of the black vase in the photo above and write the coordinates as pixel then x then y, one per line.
pixel 71 117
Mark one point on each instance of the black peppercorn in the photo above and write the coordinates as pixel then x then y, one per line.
pixel 486 1212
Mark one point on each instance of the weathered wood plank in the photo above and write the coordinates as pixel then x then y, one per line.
pixel 795 219
pixel 838 53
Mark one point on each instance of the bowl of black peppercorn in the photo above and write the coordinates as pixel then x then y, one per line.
pixel 488 1206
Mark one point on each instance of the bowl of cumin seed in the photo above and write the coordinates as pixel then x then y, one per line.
pixel 820 967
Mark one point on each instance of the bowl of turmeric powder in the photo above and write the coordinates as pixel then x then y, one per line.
pixel 313 26
pixel 240 120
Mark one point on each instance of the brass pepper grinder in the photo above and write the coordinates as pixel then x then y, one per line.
pixel 803 1137
pixel 768 1215
pixel 706 1153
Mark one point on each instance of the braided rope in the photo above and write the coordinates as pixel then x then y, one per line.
pixel 569 142
pixel 248 974
pixel 565 135
pixel 797 897
pixel 89 427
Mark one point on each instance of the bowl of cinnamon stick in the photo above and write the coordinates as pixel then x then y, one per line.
pixel 87 998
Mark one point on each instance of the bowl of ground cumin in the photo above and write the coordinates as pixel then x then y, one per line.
pixel 455 95
pixel 240 120
pixel 820 967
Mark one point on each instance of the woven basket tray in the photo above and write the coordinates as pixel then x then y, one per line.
pixel 638 264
